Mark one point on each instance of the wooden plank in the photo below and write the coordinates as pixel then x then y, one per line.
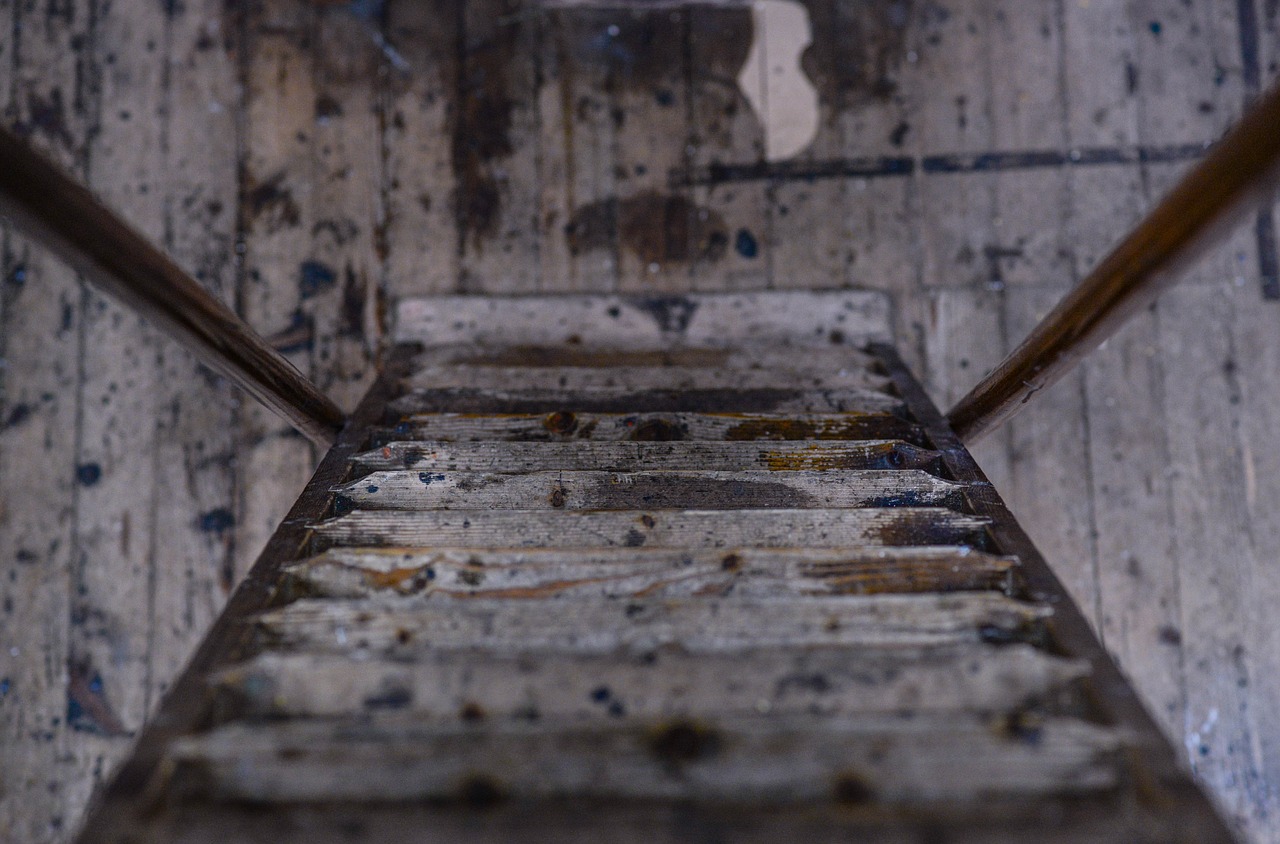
pixel 955 118
pixel 766 400
pixel 641 572
pixel 754 356
pixel 45 786
pixel 451 685
pixel 800 318
pixel 817 528
pixel 630 378
pixel 1128 455
pixel 496 144
pixel 1257 374
pixel 344 205
pixel 578 170
pixel 518 458
pixel 405 627
pixel 774 760
pixel 589 490
pixel 964 335
pixel 1180 56
pixel 1048 448
pixel 418 107
pixel 120 386
pixel 460 427
pixel 805 249
pixel 725 131
pixel 877 51
pixel 278 114
pixel 661 234
pixel 194 563
pixel 1210 537
pixel 1030 241
pixel 654 822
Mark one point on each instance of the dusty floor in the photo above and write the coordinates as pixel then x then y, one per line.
pixel 971 157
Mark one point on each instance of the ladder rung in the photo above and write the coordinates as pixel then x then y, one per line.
pixel 815 528
pixel 408 626
pixel 651 427
pixel 595 379
pixel 395 756
pixel 514 458
pixel 644 572
pixel 449 685
pixel 763 400
pixel 581 490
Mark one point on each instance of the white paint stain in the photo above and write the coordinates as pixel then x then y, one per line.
pixel 774 83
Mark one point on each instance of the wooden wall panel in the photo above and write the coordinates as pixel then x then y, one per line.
pixel 47 776
pixel 974 159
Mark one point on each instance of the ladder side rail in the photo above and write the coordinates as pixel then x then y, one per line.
pixel 1238 174
pixel 49 206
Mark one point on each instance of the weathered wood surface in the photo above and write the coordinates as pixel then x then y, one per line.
pixel 471 684
pixel 1010 821
pixel 642 378
pixel 403 626
pixel 816 528
pixel 760 400
pixel 780 356
pixel 513 458
pixel 1124 87
pixel 709 490
pixel 463 427
pixel 768 759
pixel 640 572
pixel 799 318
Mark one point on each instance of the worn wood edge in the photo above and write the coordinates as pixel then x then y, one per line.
pixel 706 319
pixel 804 755
pixel 675 455
pixel 573 489
pixel 1155 767
pixel 405 625
pixel 740 357
pixel 867 527
pixel 340 573
pixel 1096 819
pixel 1019 680
pixel 112 812
pixel 633 378
pixel 651 427
pixel 761 400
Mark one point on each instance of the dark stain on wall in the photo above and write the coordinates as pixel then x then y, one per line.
pixel 657 228
pixel 482 127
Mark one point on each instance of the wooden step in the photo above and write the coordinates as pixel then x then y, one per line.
pixel 469 684
pixel 407 626
pixel 769 759
pixel 653 427
pixel 693 529
pixel 831 358
pixel 633 379
pixel 707 490
pixel 799 318
pixel 644 572
pixel 515 399
pixel 517 458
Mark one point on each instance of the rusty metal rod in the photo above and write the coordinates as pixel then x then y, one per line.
pixel 1238 174
pixel 51 207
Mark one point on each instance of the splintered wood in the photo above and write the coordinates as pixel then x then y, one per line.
pixel 589 584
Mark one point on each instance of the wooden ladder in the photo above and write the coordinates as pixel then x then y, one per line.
pixel 706 568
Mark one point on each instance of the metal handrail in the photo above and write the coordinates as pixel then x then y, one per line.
pixel 1236 176
pixel 49 206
